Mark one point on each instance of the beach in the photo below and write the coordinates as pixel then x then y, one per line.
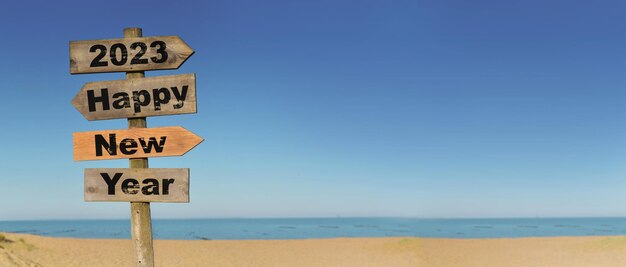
pixel 32 250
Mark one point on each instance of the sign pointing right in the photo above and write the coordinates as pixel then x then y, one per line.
pixel 134 143
pixel 128 54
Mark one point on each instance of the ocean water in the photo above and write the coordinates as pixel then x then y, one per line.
pixel 212 229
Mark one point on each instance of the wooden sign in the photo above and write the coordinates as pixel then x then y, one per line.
pixel 133 98
pixel 139 185
pixel 128 54
pixel 134 143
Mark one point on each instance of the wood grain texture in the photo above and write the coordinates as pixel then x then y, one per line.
pixel 140 216
pixel 156 96
pixel 82 54
pixel 97 188
pixel 174 141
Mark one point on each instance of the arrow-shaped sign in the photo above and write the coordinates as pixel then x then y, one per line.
pixel 132 98
pixel 134 143
pixel 128 54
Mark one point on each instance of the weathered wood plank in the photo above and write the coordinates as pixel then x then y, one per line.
pixel 134 98
pixel 128 54
pixel 137 185
pixel 134 143
pixel 140 218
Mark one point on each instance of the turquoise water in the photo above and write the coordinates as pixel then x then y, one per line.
pixel 326 228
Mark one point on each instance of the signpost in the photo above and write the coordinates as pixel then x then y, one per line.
pixel 128 54
pixel 146 185
pixel 134 143
pixel 135 98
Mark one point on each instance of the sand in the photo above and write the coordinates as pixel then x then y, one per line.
pixel 30 250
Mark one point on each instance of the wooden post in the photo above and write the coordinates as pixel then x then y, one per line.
pixel 141 222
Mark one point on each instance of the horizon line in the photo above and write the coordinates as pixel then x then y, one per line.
pixel 326 217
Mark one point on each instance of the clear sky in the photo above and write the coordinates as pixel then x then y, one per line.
pixel 339 108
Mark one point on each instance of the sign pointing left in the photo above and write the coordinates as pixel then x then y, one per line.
pixel 133 98
pixel 134 143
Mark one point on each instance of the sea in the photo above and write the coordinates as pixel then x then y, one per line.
pixel 302 228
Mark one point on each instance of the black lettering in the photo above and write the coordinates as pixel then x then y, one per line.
pixel 137 58
pixel 166 186
pixel 180 96
pixel 161 96
pixel 111 146
pixel 152 188
pixel 161 51
pixel 126 144
pixel 113 54
pixel 145 95
pixel 130 186
pixel 122 102
pixel 147 147
pixel 97 61
pixel 111 182
pixel 92 99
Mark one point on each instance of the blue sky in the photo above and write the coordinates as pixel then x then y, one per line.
pixel 340 108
